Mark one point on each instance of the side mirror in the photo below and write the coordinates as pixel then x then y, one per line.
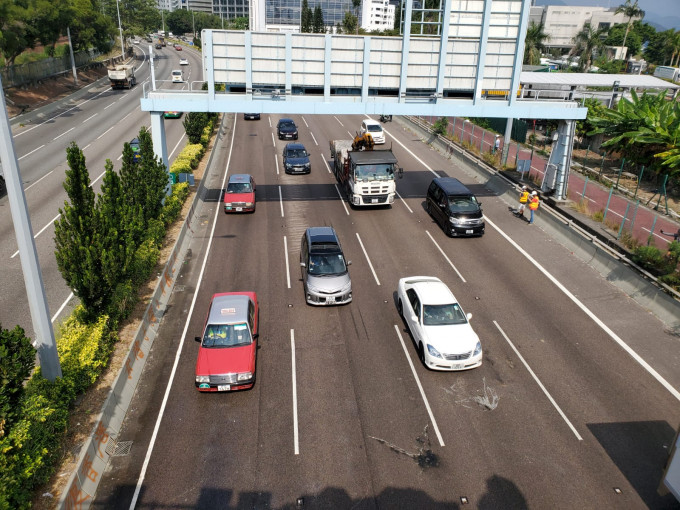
pixel 469 316
pixel 197 338
pixel 302 264
pixel 401 172
pixel 256 336
pixel 349 262
pixel 414 318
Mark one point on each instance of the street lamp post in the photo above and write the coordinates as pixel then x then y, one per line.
pixel 120 28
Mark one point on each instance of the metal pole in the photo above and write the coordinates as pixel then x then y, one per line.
pixel 651 230
pixel 638 181
pixel 623 221
pixel 602 165
pixel 585 184
pixel 606 207
pixel 516 154
pixel 663 187
pixel 120 28
pixel 587 151
pixel 153 71
pixel 73 60
pixel 30 265
pixel 632 223
pixel 620 171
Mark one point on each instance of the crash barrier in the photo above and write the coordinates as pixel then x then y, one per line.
pixel 640 285
pixel 103 441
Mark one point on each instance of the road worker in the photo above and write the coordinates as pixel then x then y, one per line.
pixel 533 205
pixel 523 199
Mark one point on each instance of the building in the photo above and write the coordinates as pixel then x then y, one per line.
pixel 200 5
pixel 563 22
pixel 230 9
pixel 377 15
pixel 169 5
pixel 284 15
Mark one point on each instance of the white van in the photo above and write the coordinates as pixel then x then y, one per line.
pixel 177 76
pixel 375 128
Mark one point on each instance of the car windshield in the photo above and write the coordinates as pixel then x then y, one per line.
pixel 326 264
pixel 296 153
pixel 287 125
pixel 379 172
pixel 443 315
pixel 177 73
pixel 239 187
pixel 463 204
pixel 374 128
pixel 227 335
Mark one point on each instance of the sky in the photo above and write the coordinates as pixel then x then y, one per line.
pixel 658 12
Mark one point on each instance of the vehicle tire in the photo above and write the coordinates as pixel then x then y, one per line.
pixel 428 208
pixel 400 309
pixel 421 353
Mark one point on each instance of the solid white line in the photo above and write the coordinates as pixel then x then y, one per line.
pixel 63 133
pixel 410 152
pixel 313 138
pixel 105 132
pixel 86 146
pixel 41 231
pixel 447 258
pixel 119 157
pixel 350 134
pixel 63 305
pixel 154 435
pixel 339 122
pixel 420 387
pixel 281 201
pixel 276 162
pixel 285 252
pixel 303 120
pixel 36 182
pixel 540 384
pixel 22 157
pixel 93 116
pixel 100 176
pixel 590 314
pixel 326 163
pixel 296 436
pixel 273 141
pixel 342 200
pixel 177 144
pixel 403 201
pixel 369 260
pixel 270 124
pixel 109 105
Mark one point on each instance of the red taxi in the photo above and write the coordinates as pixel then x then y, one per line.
pixel 240 194
pixel 227 351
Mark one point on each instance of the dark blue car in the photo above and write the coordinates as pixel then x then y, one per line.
pixel 287 130
pixel 296 159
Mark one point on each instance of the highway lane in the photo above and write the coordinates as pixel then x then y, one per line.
pixel 576 418
pixel 100 123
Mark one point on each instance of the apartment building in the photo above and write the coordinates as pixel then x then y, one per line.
pixel 377 15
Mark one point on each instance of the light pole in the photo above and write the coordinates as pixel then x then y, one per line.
pixel 120 28
pixel 193 24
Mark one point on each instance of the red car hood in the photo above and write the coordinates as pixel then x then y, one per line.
pixel 225 360
pixel 239 197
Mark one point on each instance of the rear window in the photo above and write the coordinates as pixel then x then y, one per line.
pixel 177 73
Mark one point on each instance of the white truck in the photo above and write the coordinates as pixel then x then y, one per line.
pixel 667 72
pixel 367 175
pixel 122 76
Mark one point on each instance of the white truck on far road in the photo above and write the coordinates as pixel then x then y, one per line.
pixel 122 76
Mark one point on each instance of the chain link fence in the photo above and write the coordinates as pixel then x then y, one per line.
pixel 16 76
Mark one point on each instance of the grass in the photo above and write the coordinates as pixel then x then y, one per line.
pixel 582 207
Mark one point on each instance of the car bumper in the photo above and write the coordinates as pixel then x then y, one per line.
pixel 316 299
pixel 238 209
pixel 463 231
pixel 288 136
pixel 251 116
pixel 383 199
pixel 298 170
pixel 453 366
pixel 208 388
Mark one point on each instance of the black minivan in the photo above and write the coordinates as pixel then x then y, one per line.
pixel 454 207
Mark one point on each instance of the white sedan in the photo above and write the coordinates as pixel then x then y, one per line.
pixel 183 62
pixel 440 329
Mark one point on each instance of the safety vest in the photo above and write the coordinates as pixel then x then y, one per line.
pixel 533 204
pixel 523 197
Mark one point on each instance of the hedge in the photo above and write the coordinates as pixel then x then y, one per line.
pixel 188 159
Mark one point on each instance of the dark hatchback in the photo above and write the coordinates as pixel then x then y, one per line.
pixel 287 130
pixel 296 159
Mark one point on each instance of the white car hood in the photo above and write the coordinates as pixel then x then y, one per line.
pixel 454 339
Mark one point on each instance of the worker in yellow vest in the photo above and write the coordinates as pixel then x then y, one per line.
pixel 533 205
pixel 523 199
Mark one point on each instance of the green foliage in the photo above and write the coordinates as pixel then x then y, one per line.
pixel 349 23
pixel 440 127
pixel 318 26
pixel 123 300
pixel 608 66
pixel 193 123
pixel 187 160
pixel 305 17
pixel 650 258
pixel 595 109
pixel 17 359
pixel 585 42
pixel 173 204
pixel 534 43
pixel 145 260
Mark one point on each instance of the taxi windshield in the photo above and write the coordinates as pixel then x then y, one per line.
pixel 227 335
pixel 239 187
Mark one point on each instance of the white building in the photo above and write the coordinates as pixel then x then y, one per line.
pixel 169 5
pixel 377 15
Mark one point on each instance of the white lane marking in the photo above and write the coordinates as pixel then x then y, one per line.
pixel 105 132
pixel 403 201
pixel 22 157
pixel 99 176
pixel 121 120
pixel 63 133
pixel 281 201
pixel 368 259
pixel 445 256
pixel 276 162
pixel 61 308
pixel 420 387
pixel 350 134
pixel 177 144
pixel 339 122
pixel 342 200
pixel 326 163
pixel 110 105
pixel 296 436
pixel 313 138
pixel 41 231
pixel 285 252
pixel 91 117
pixel 540 384
pixel 270 124
pixel 119 157
pixel 86 146
pixel 303 120
pixel 36 182
pixel 154 435
pixel 273 141
pixel 590 314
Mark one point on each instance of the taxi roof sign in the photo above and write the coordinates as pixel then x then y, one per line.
pixel 228 311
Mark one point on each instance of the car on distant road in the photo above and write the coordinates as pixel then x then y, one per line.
pixel 251 116
pixel 177 76
pixel 240 194
pixel 440 329
pixel 375 129
pixel 228 346
pixel 296 159
pixel 286 129
pixel 183 62
pixel 172 115
pixel 325 273
pixel 178 47
pixel 159 46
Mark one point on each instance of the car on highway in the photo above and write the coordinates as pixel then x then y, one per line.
pixel 134 145
pixel 172 115
pixel 178 47
pixel 228 345
pixel 183 61
pixel 251 116
pixel 286 129
pixel 159 46
pixel 440 329
pixel 454 207
pixel 239 196
pixel 296 159
pixel 177 76
pixel 325 273
pixel 375 129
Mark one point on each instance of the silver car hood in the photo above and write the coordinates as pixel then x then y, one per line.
pixel 328 284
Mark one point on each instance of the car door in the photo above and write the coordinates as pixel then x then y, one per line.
pixel 439 206
pixel 413 313
pixel 304 260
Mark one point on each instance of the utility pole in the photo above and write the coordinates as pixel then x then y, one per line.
pixel 73 60
pixel 30 265
pixel 120 28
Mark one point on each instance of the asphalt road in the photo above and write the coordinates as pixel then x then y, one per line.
pixel 343 415
pixel 100 121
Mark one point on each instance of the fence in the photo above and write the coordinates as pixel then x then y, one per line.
pixel 15 76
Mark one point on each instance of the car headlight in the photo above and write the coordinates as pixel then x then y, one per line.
pixel 433 352
pixel 244 376
pixel 227 204
pixel 249 204
pixel 308 165
pixel 289 165
pixel 202 378
pixel 478 348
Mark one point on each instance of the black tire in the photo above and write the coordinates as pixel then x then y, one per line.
pixel 421 353
pixel 400 309
pixel 428 208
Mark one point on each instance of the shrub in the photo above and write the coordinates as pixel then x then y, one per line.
pixel 17 359
pixel 188 159
pixel 672 280
pixel 173 204
pixel 146 258
pixel 440 126
pixel 598 216
pixel 649 257
pixel 123 301
pixel 491 159
pixel 156 229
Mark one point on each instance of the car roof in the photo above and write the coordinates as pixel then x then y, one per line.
pixel 452 186
pixel 373 157
pixel 432 291
pixel 372 122
pixel 294 146
pixel 228 309
pixel 281 121
pixel 240 178
pixel 322 235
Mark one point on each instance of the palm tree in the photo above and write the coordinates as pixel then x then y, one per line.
pixel 585 42
pixel 630 10
pixel 534 43
pixel 674 46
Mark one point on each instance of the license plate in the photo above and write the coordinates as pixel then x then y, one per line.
pixel 223 387
pixel 330 299
pixel 374 200
pixel 457 366
pixel 239 209
pixel 469 231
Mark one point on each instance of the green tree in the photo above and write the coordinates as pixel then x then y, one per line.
pixel 349 23
pixel 585 42
pixel 660 47
pixel 305 18
pixel 356 4
pixel 17 359
pixel 179 21
pixel 616 35
pixel 193 123
pixel 630 10
pixel 155 177
pixel 595 109
pixel 534 43
pixel 317 23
